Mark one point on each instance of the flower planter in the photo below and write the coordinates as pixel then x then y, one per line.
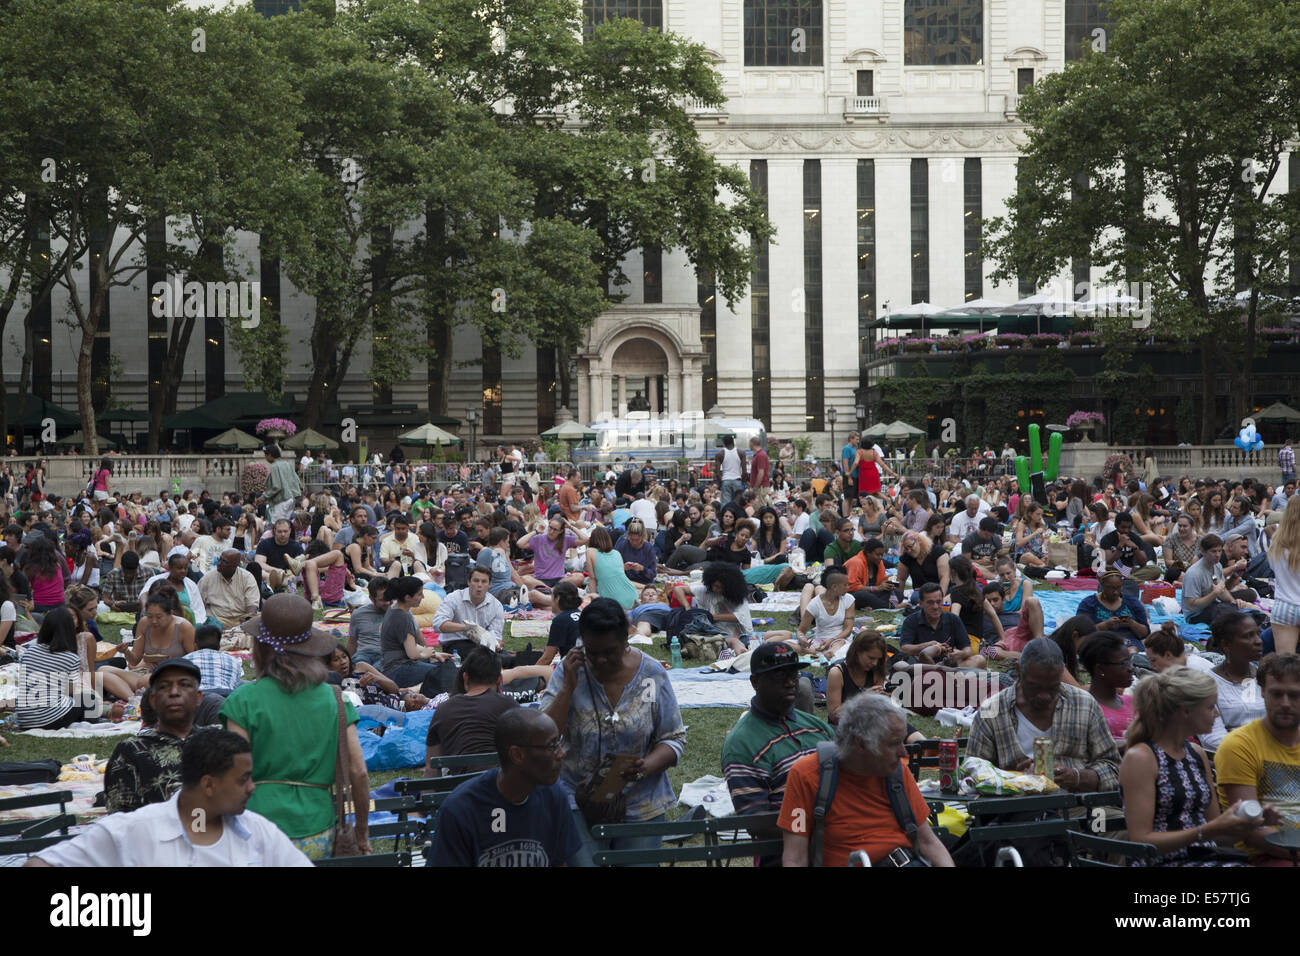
pixel 949 345
pixel 1082 339
pixel 916 347
pixel 1008 342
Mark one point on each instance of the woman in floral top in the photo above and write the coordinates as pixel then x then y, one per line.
pixel 608 700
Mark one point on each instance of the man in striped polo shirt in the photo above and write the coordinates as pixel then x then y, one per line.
pixel 769 737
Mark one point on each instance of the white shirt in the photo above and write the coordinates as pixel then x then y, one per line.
pixel 731 469
pixel 191 593
pixel 800 524
pixel 645 510
pixel 154 836
pixel 1286 582
pixel 963 524
pixel 1026 732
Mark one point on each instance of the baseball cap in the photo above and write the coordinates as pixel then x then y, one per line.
pixel 773 656
pixel 176 663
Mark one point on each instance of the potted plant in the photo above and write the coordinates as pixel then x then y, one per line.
pixel 1045 340
pixel 1011 340
pixel 1277 334
pixel 917 345
pixel 1083 338
pixel 975 342
pixel 949 344
pixel 275 429
pixel 1085 422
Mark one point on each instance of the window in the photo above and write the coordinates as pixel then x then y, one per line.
pixel 943 32
pixel 155 272
pixel 920 230
pixel 101 354
pixel 972 213
pixel 271 8
pixel 1086 27
pixel 1024 78
pixel 783 33
pixel 1025 286
pixel 814 363
pixel 491 390
pixel 653 275
pixel 596 12
pixel 706 293
pixel 760 311
pixel 546 375
pixel 1080 266
pixel 866 258
pixel 866 82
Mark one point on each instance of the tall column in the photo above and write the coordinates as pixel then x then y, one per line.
pixel 947 236
pixel 840 280
pixel 999 185
pixel 789 376
pixel 894 232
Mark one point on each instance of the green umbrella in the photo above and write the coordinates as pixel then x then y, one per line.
pixel 876 431
pixel 1277 414
pixel 428 434
pixel 233 439
pixel 570 431
pixel 310 440
pixel 900 430
pixel 78 438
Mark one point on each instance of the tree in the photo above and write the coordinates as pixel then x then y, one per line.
pixel 1180 127
pixel 151 113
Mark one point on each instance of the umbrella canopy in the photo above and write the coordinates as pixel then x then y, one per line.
pixel 712 428
pixel 310 440
pixel 428 434
pixel 233 439
pixel 1277 413
pixel 900 430
pixel 979 307
pixel 570 431
pixel 38 409
pixel 78 438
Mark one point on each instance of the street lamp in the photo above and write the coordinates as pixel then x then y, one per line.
pixel 831 416
pixel 471 416
pixel 860 413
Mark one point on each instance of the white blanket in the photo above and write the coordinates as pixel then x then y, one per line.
pixel 693 689
pixel 84 729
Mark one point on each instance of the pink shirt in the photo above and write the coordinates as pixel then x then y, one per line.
pixel 1118 720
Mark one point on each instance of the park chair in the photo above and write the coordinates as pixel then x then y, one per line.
pixel 401 858
pixel 417 786
pixel 1090 850
pixel 988 833
pixel 924 755
pixel 406 834
pixel 464 763
pixel 27 828
pixel 712 829
pixel 1105 800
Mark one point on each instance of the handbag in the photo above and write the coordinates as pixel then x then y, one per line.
pixel 597 812
pixel 345 834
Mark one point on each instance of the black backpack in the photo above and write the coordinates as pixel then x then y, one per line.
pixel 456 569
pixel 828 777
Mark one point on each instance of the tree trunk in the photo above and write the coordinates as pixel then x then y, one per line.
pixel 325 367
pixel 11 295
pixel 562 353
pixel 437 322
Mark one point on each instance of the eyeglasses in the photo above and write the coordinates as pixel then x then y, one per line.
pixel 1126 663
pixel 556 746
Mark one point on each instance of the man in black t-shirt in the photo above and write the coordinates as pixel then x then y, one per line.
pixel 457 541
pixel 276 558
pixel 465 723
pixel 1125 550
pixel 983 544
pixel 932 634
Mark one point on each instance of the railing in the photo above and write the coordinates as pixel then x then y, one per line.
pixel 150 474
pixel 694 104
pixel 865 105
pixel 1220 458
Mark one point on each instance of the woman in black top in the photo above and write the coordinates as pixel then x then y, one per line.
pixel 923 562
pixel 770 539
pixel 733 548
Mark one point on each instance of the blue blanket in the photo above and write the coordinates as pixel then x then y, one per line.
pixel 1058 606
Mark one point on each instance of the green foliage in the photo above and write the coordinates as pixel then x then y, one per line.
pixel 556 450
pixel 802 445
pixel 1185 426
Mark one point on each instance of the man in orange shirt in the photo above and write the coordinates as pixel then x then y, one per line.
pixel 869 751
pixel 571 497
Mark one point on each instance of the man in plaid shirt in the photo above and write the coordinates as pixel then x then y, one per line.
pixel 120 587
pixel 219 672
pixel 1286 461
pixel 1039 705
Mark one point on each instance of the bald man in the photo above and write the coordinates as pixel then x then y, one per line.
pixel 230 591
pixel 514 815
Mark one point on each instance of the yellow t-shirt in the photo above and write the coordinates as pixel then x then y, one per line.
pixel 1251 756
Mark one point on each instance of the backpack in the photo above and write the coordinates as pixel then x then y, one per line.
pixel 828 777
pixel 689 620
pixel 456 570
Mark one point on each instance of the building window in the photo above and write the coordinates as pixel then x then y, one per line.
pixel 972 216
pixel 943 32
pixel 866 82
pixel 706 293
pixel 920 230
pixel 760 311
pixel 653 275
pixel 1024 78
pixel 1080 266
pixel 1293 183
pixel 546 376
pixel 1024 284
pixel 491 390
pixel 1083 21
pixel 596 12
pixel 866 258
pixel 271 8
pixel 814 364
pixel 42 319
pixel 783 33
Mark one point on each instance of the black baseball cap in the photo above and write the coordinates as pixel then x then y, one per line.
pixel 176 663
pixel 772 657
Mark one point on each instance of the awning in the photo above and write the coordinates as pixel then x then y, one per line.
pixel 39 409
pixel 233 408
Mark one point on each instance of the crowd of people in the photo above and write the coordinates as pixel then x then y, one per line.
pixel 1190 732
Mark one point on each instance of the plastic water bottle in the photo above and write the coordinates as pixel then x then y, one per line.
pixel 675 651
pixel 455 659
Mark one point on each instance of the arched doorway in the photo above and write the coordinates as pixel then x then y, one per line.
pixel 639 377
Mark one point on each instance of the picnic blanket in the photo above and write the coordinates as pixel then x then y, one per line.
pixel 83 798
pixel 519 628
pixel 777 601
pixel 1058 606
pixel 84 729
pixel 696 688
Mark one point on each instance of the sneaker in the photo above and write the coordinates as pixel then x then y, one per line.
pixel 726 654
pixel 294 564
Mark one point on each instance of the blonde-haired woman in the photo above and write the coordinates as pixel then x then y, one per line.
pixel 1169 795
pixel 1284 557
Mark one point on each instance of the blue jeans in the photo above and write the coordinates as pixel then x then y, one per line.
pixel 729 489
pixel 585 856
pixel 370 657
pixel 381 713
pixel 412 672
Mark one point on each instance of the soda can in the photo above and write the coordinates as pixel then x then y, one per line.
pixel 948 765
pixel 1043 757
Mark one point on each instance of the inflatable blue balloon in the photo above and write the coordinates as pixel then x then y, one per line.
pixel 1249 439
